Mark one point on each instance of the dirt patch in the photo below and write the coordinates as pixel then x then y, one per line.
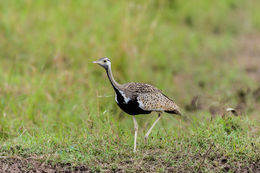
pixel 248 55
pixel 17 164
pixel 151 161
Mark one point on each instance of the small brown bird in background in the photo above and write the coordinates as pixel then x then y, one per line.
pixel 139 98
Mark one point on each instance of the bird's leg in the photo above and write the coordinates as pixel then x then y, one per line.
pixel 136 129
pixel 149 131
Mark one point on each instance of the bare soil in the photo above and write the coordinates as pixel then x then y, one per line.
pixel 17 165
pixel 248 55
pixel 150 163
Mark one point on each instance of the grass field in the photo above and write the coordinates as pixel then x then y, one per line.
pixel 57 109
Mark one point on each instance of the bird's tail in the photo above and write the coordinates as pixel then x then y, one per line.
pixel 176 111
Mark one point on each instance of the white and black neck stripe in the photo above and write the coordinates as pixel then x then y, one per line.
pixel 113 82
pixel 116 86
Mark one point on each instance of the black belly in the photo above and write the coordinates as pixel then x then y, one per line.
pixel 131 107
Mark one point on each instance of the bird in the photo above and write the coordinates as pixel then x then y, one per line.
pixel 139 98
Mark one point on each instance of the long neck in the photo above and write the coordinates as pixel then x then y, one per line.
pixel 111 78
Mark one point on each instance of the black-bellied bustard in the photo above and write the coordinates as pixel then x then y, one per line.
pixel 139 98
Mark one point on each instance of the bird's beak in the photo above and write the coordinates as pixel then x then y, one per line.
pixel 95 62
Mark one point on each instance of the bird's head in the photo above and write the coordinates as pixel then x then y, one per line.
pixel 103 62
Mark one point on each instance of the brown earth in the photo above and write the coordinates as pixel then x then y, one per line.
pixel 248 55
pixel 211 160
pixel 248 59
pixel 18 164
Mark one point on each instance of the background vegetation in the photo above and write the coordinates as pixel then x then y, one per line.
pixel 58 107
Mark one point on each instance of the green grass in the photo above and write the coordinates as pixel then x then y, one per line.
pixel 58 106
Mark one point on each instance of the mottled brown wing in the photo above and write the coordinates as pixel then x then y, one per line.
pixel 156 101
pixel 139 87
pixel 150 98
pixel 132 90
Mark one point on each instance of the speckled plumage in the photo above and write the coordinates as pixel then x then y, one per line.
pixel 149 98
pixel 139 98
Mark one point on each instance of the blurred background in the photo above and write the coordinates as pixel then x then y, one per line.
pixel 203 54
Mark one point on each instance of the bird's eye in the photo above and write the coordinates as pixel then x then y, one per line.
pixel 105 61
